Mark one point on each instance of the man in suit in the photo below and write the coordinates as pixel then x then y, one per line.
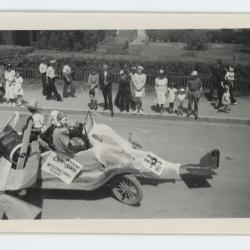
pixel 105 78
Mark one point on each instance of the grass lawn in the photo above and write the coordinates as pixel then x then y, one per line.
pixel 229 53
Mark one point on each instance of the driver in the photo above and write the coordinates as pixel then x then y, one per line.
pixel 68 138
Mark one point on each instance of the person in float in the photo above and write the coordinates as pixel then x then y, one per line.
pixel 37 118
pixel 68 138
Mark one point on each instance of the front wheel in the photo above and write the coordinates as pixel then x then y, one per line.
pixel 127 189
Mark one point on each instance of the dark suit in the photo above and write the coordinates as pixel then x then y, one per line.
pixel 106 87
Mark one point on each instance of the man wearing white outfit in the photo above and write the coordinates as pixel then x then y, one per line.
pixel 43 70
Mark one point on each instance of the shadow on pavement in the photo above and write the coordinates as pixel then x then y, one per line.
pixel 196 181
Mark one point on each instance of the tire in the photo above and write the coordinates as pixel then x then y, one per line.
pixel 127 189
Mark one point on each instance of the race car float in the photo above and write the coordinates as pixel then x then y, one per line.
pixel 109 160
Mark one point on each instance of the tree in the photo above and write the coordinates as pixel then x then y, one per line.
pixel 196 40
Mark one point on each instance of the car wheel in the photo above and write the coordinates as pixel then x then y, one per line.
pixel 127 189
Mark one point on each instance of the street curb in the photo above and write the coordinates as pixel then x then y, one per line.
pixel 207 119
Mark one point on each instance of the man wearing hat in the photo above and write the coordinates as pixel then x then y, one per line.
pixel 194 89
pixel 37 118
pixel 105 78
pixel 43 70
pixel 51 77
pixel 124 85
pixel 68 84
pixel 68 139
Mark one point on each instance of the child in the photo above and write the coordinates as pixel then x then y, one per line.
pixel 161 83
pixel 230 77
pixel 19 89
pixel 180 99
pixel 93 82
pixel 225 101
pixel 171 97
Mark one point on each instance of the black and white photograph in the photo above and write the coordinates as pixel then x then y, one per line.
pixel 124 123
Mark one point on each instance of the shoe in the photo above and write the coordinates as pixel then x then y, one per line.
pixel 73 96
pixel 235 103
pixel 140 111
pixel 135 111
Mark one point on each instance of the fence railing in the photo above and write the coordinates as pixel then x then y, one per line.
pixel 241 85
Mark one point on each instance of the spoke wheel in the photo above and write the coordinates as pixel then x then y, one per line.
pixel 127 189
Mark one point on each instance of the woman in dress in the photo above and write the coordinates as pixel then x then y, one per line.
pixel 161 83
pixel 9 77
pixel 139 84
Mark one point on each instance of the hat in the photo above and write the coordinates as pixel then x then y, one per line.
pixel 194 73
pixel 182 90
pixel 32 105
pixel 52 62
pixel 161 71
pixel 140 67
pixel 9 66
pixel 231 68
pixel 121 72
pixel 60 116
pixel 134 68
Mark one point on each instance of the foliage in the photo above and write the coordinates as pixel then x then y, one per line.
pixel 70 40
pixel 214 36
pixel 196 40
pixel 13 54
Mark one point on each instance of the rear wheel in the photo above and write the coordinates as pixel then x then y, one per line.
pixel 127 189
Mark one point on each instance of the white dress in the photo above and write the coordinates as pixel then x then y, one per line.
pixel 171 95
pixel 160 90
pixel 18 86
pixel 139 83
pixel 9 77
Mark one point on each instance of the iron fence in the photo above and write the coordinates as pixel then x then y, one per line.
pixel 81 75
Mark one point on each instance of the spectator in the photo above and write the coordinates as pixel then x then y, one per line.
pixel 51 86
pixel 93 82
pixel 194 89
pixel 9 77
pixel 220 79
pixel 118 94
pixel 225 100
pixel 139 84
pixel 67 82
pixel 43 70
pixel 171 97
pixel 161 83
pixel 132 88
pixel 37 118
pixel 105 77
pixel 124 84
pixel 229 81
pixel 19 89
pixel 180 99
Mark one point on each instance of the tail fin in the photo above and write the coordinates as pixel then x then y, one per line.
pixel 211 160
pixel 208 163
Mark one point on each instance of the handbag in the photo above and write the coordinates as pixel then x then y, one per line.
pixel 138 93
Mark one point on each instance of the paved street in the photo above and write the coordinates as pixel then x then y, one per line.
pixel 225 195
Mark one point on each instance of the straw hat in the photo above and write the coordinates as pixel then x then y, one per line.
pixel 231 69
pixel 161 71
pixel 32 105
pixel 194 73
pixel 182 90
pixel 52 62
pixel 140 67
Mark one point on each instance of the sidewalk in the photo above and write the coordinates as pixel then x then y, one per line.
pixel 239 113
